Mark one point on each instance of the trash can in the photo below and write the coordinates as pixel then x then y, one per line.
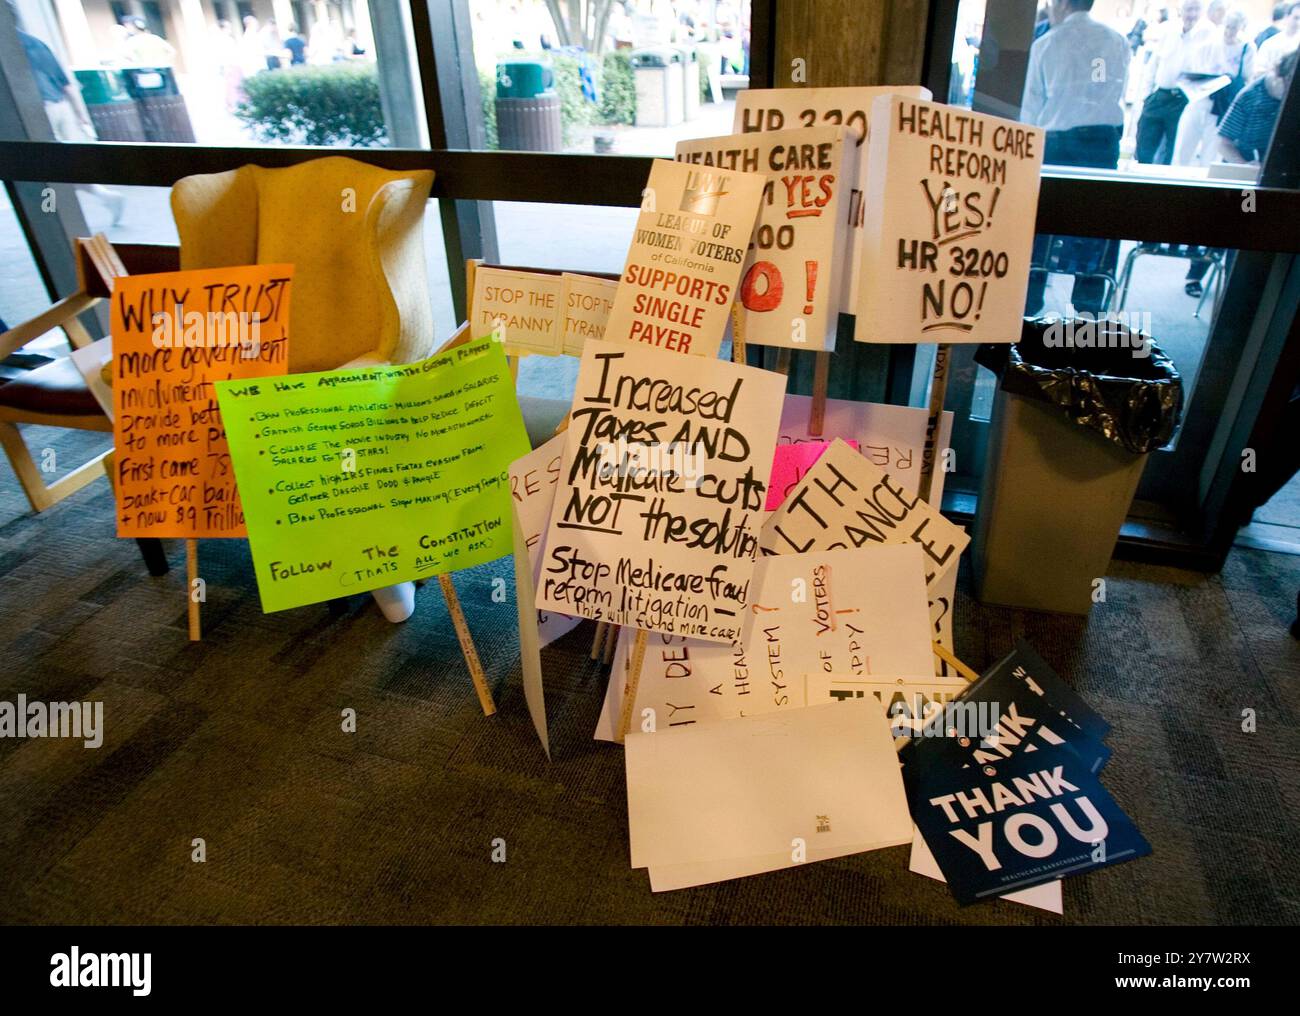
pixel 528 110
pixel 162 107
pixel 690 81
pixel 113 113
pixel 1080 405
pixel 658 75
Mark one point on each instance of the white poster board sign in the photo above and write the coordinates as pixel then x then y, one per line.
pixel 791 293
pixel 661 492
pixel 774 109
pixel 949 226
pixel 586 302
pixel 845 500
pixel 725 799
pixel 686 258
pixel 522 308
pixel 854 612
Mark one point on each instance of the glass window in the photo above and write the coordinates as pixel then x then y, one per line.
pixel 217 72
pixel 1185 90
pixel 608 76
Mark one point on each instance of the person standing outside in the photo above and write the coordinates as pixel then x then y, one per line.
pixel 1183 50
pixel 1287 40
pixel 1233 56
pixel 1074 90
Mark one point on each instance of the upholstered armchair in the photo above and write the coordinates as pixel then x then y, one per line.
pixel 353 233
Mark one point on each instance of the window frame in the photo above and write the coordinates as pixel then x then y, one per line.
pixel 467 181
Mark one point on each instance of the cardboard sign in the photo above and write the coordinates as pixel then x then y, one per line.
pixel 792 291
pixel 949 227
pixel 655 523
pixel 854 612
pixel 847 501
pixel 686 258
pixel 533 481
pixel 1043 816
pixel 829 786
pixel 909 703
pixel 892 437
pixel 586 302
pixel 791 464
pixel 521 309
pixel 174 336
pixel 1012 708
pixel 530 650
pixel 775 109
pixel 357 479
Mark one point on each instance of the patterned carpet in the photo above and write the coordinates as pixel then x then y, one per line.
pixel 237 740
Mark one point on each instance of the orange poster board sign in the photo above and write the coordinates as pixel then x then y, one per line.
pixel 174 335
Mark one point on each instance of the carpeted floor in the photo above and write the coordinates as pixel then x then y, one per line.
pixel 237 740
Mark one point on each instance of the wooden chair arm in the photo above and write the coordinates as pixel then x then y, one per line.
pixel 54 317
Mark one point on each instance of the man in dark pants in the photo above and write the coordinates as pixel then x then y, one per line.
pixel 1184 50
pixel 1074 87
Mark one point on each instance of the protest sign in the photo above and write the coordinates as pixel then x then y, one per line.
pixel 358 479
pixel 792 290
pixel 847 501
pixel 830 787
pixel 853 612
pixel 791 464
pixel 530 650
pixel 776 109
pixel 1043 816
pixel 892 437
pixel 949 224
pixel 521 309
pixel 655 523
pixel 533 481
pixel 586 301
pixel 175 335
pixel 1010 710
pixel 686 258
pixel 910 702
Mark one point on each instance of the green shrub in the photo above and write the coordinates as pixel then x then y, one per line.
pixel 575 110
pixel 336 104
pixel 487 86
pixel 617 89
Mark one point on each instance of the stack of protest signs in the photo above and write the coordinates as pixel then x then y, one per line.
pixel 1004 787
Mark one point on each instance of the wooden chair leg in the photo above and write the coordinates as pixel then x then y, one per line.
pixel 39 495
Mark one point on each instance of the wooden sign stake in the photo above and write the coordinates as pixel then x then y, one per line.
pixel 952 661
pixel 934 422
pixel 633 679
pixel 467 649
pixel 737 334
pixel 821 378
pixel 598 642
pixel 192 573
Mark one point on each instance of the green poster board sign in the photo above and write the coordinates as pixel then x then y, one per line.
pixel 352 480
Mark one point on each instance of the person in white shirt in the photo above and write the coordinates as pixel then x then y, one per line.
pixel 1285 41
pixel 1185 50
pixel 1232 55
pixel 1074 87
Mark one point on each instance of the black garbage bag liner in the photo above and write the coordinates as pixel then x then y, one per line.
pixel 1088 368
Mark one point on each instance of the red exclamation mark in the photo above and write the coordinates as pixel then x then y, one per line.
pixel 810 272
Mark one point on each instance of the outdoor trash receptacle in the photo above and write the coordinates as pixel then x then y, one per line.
pixel 658 75
pixel 527 108
pixel 1080 405
pixel 690 82
pixel 162 107
pixel 113 113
